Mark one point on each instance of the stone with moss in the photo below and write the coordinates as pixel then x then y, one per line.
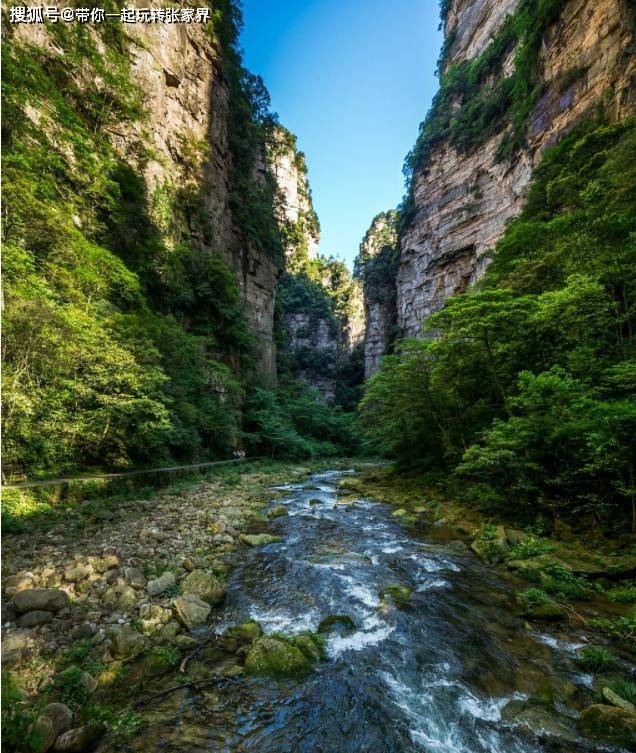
pixel 246 631
pixel 278 511
pixel 609 723
pixel 336 621
pixel 312 645
pixel 276 656
pixel 399 594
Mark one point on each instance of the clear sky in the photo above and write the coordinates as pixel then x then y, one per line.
pixel 352 79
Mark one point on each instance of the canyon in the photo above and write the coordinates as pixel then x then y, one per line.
pixel 463 197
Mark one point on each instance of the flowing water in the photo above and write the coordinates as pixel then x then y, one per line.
pixel 430 675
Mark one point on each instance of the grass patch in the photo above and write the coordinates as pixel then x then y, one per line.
pixel 596 658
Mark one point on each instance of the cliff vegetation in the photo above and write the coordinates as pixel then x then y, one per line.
pixel 523 392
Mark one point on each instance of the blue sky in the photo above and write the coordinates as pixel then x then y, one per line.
pixel 352 79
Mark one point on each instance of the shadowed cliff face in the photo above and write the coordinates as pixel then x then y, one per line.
pixel 462 198
pixel 181 150
pixel 376 267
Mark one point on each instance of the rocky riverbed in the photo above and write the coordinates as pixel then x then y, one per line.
pixel 272 610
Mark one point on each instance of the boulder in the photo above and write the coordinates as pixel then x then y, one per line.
pixel 258 539
pixel 40 599
pixel 205 585
pixel 44 733
pixel 80 739
pixel 399 513
pixel 161 584
pixel 135 577
pixel 246 631
pixel 515 536
pixel 190 610
pixel 35 618
pixel 278 511
pixel 276 657
pixel 126 642
pixel 60 715
pixel 608 723
pixel 491 548
pixel 336 621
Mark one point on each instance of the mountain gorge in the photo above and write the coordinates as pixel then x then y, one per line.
pixel 515 77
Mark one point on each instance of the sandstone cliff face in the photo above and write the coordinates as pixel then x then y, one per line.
pixel 462 200
pixel 295 210
pixel 375 264
pixel 179 68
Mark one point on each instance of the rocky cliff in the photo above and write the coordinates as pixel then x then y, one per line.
pixel 514 80
pixel 375 265
pixel 321 308
pixel 181 147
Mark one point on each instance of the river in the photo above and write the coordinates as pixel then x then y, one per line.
pixel 433 674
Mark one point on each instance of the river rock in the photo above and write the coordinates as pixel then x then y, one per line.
pixel 190 610
pixel 278 511
pixel 60 715
pixel 135 577
pixel 532 717
pixel 44 732
pixel 15 583
pixel 80 739
pixel 258 539
pixel 615 700
pixel 126 641
pixel 276 657
pixel 248 631
pixel 35 618
pixel 161 584
pixel 15 641
pixel 40 599
pixel 76 572
pixel 608 723
pixel 399 594
pixel 336 620
pixel 205 585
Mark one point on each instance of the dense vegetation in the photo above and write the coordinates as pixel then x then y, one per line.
pixel 525 394
pixel 125 336
pixel 323 291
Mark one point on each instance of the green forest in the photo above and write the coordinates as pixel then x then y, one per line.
pixel 126 342
pixel 522 396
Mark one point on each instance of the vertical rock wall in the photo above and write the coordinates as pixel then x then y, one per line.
pixel 180 70
pixel 463 200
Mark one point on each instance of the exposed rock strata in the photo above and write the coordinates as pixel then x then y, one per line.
pixel 463 200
